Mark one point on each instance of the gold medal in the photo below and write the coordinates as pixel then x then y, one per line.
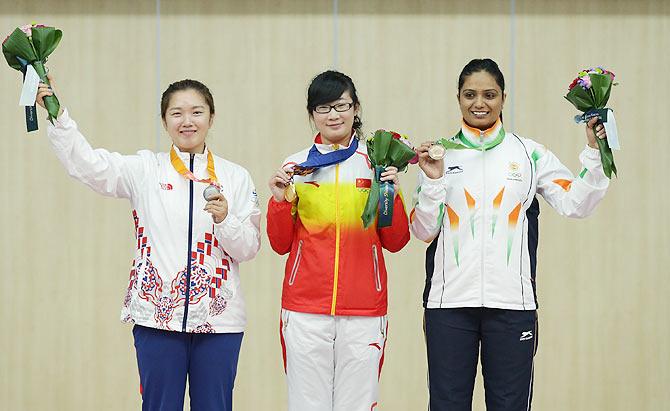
pixel 437 151
pixel 289 193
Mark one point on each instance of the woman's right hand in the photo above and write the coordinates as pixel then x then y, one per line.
pixel 44 90
pixel 278 182
pixel 434 169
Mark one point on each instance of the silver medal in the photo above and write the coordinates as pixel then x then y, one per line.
pixel 211 192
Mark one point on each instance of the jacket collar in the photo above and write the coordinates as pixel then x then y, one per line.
pixel 476 138
pixel 186 156
pixel 327 148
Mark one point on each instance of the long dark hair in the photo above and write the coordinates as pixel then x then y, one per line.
pixel 329 86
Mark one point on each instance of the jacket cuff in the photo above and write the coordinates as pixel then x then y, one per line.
pixel 229 226
pixel 591 153
pixel 434 189
pixel 278 206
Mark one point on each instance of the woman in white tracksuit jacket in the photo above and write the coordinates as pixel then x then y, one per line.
pixel 184 295
pixel 478 210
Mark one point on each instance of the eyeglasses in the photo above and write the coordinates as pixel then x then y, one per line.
pixel 340 108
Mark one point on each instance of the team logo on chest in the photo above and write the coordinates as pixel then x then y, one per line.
pixel 454 170
pixel 514 172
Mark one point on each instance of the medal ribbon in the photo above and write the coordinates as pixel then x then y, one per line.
pixel 486 146
pixel 460 142
pixel 316 160
pixel 181 168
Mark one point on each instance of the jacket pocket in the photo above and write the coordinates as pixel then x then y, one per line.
pixel 296 264
pixel 375 264
pixel 383 324
pixel 285 314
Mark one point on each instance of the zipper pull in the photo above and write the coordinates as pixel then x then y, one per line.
pixel 285 321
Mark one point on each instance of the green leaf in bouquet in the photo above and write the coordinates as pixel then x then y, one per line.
pixel 601 85
pixel 371 148
pixel 380 146
pixel 399 154
pixel 45 40
pixel 607 157
pixel 580 98
pixel 50 102
pixel 371 205
pixel 18 45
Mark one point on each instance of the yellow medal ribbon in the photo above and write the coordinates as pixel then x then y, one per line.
pixel 181 168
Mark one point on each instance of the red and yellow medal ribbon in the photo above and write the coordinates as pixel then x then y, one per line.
pixel 181 168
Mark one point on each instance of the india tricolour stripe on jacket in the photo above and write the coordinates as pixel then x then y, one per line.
pixel 511 228
pixel 496 209
pixel 454 226
pixel 471 208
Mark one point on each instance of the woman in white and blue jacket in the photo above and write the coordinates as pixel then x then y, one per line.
pixel 478 210
pixel 184 295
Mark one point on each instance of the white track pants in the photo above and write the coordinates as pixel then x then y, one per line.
pixel 332 363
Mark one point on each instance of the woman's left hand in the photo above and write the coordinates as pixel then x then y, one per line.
pixel 218 208
pixel 391 174
pixel 590 136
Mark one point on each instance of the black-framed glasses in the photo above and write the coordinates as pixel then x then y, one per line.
pixel 339 107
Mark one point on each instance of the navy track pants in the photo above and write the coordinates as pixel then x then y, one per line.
pixel 508 341
pixel 166 358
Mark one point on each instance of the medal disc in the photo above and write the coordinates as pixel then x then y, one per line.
pixel 211 192
pixel 289 193
pixel 437 151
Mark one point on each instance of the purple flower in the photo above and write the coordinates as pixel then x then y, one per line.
pixel 585 82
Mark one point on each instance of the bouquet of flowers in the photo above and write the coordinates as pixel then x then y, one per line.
pixel 31 45
pixel 589 93
pixel 385 148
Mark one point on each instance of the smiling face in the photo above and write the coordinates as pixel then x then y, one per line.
pixel 481 100
pixel 187 120
pixel 336 126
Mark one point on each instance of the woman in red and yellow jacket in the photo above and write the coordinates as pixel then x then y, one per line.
pixel 334 300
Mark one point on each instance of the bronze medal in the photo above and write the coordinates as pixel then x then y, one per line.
pixel 437 151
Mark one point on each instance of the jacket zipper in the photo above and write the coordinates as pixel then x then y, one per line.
pixel 337 238
pixel 188 256
pixel 375 262
pixel 296 264
pixel 483 222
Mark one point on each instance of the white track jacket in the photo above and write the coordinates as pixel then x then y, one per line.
pixel 185 275
pixel 481 217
